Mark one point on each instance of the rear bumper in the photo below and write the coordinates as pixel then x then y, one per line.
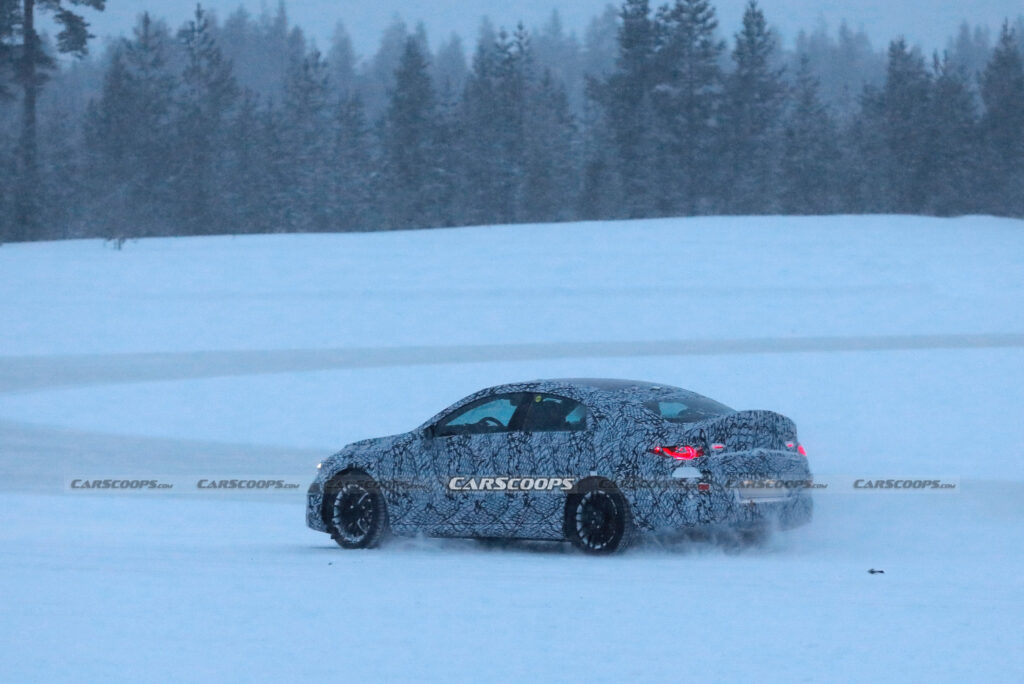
pixel 784 513
pixel 681 507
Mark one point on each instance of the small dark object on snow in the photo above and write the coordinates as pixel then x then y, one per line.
pixel 876 572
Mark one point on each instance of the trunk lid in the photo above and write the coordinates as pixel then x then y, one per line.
pixel 746 430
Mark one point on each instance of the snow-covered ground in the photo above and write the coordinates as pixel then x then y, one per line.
pixel 896 343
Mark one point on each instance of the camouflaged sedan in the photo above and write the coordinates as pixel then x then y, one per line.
pixel 591 461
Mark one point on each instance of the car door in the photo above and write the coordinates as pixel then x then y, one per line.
pixel 472 448
pixel 558 444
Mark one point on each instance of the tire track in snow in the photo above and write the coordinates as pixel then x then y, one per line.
pixel 32 373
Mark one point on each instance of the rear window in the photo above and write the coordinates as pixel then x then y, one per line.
pixel 687 409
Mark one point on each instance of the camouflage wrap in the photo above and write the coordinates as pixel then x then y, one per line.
pixel 414 469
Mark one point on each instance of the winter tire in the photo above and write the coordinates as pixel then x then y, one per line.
pixel 355 511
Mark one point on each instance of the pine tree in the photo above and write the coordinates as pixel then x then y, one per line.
pixel 32 64
pixel 599 182
pixel 450 140
pixel 863 184
pixel 549 174
pixel 129 137
pixel 261 49
pixel 379 74
pixel 688 100
pixel 516 74
pixel 844 65
pixel 307 121
pixel 62 179
pixel 241 42
pixel 205 101
pixel 342 60
pixel 755 94
pixel 970 51
pixel 904 124
pixel 10 19
pixel 450 70
pixel 409 135
pixel 811 154
pixel 8 171
pixel 559 53
pixel 625 98
pixel 273 178
pixel 954 150
pixel 1002 90
pixel 351 198
pixel 492 120
pixel 600 45
pixel 247 186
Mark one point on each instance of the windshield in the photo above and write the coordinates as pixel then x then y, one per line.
pixel 689 409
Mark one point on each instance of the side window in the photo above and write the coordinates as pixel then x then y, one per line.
pixel 551 413
pixel 486 416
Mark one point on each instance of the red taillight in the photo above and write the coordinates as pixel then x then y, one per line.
pixel 800 450
pixel 680 453
pixel 704 487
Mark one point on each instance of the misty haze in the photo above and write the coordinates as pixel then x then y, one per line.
pixel 240 122
pixel 537 341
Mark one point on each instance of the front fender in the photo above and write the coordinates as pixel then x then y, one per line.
pixel 365 456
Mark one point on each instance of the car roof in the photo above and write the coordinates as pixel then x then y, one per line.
pixel 607 384
pixel 607 388
pixel 601 390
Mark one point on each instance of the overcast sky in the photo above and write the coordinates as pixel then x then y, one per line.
pixel 924 22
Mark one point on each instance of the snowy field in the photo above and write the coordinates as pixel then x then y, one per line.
pixel 896 343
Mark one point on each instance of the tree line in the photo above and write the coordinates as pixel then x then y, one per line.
pixel 657 116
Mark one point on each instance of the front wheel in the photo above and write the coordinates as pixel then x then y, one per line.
pixel 597 519
pixel 355 511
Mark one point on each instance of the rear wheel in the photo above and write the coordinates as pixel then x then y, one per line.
pixel 355 511
pixel 597 519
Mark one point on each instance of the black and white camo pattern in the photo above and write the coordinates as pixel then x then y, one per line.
pixel 413 469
